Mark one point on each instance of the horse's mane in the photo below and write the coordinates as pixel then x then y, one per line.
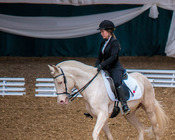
pixel 75 64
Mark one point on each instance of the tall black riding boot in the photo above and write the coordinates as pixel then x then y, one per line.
pixel 122 97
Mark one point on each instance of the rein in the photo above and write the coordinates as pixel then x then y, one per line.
pixel 73 95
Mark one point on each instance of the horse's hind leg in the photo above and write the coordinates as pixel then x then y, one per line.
pixel 131 118
pixel 153 119
pixel 107 131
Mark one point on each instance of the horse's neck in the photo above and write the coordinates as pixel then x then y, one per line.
pixel 81 76
pixel 95 91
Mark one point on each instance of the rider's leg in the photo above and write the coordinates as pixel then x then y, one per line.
pixel 122 97
pixel 117 76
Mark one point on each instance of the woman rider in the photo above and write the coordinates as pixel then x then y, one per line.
pixel 108 59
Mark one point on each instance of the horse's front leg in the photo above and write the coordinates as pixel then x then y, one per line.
pixel 107 131
pixel 100 122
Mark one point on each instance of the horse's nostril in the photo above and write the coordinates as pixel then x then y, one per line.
pixel 61 102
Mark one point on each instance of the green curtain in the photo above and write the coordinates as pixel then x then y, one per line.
pixel 13 45
pixel 58 10
pixel 142 36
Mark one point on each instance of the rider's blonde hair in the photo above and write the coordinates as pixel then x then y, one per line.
pixel 111 31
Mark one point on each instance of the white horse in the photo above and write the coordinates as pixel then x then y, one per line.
pixel 98 103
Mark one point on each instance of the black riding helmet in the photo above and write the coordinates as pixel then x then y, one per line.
pixel 106 24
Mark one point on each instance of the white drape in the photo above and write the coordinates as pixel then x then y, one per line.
pixel 170 46
pixel 64 27
pixel 86 2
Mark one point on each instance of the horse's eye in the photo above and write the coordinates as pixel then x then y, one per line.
pixel 59 82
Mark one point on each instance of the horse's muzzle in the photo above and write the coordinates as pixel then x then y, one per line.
pixel 64 101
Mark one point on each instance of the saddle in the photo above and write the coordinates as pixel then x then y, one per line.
pixel 112 86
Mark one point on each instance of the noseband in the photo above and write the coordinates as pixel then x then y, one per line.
pixel 73 95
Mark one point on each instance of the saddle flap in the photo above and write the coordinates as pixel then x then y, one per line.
pixel 111 82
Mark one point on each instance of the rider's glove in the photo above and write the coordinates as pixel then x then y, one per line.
pixel 99 67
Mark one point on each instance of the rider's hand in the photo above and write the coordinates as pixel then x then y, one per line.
pixel 99 67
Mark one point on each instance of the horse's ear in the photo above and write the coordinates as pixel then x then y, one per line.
pixel 52 70
pixel 56 69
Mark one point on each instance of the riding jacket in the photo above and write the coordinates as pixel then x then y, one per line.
pixel 108 58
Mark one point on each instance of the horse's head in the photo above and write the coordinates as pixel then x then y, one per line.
pixel 62 87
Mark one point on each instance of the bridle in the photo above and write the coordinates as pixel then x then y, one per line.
pixel 65 82
pixel 73 95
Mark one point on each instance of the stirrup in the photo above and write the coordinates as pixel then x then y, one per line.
pixel 126 109
pixel 127 112
pixel 88 115
pixel 116 110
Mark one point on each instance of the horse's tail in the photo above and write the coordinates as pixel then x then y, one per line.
pixel 162 118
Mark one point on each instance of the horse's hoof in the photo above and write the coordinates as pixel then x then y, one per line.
pixel 88 115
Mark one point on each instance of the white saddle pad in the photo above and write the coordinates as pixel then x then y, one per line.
pixel 130 82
